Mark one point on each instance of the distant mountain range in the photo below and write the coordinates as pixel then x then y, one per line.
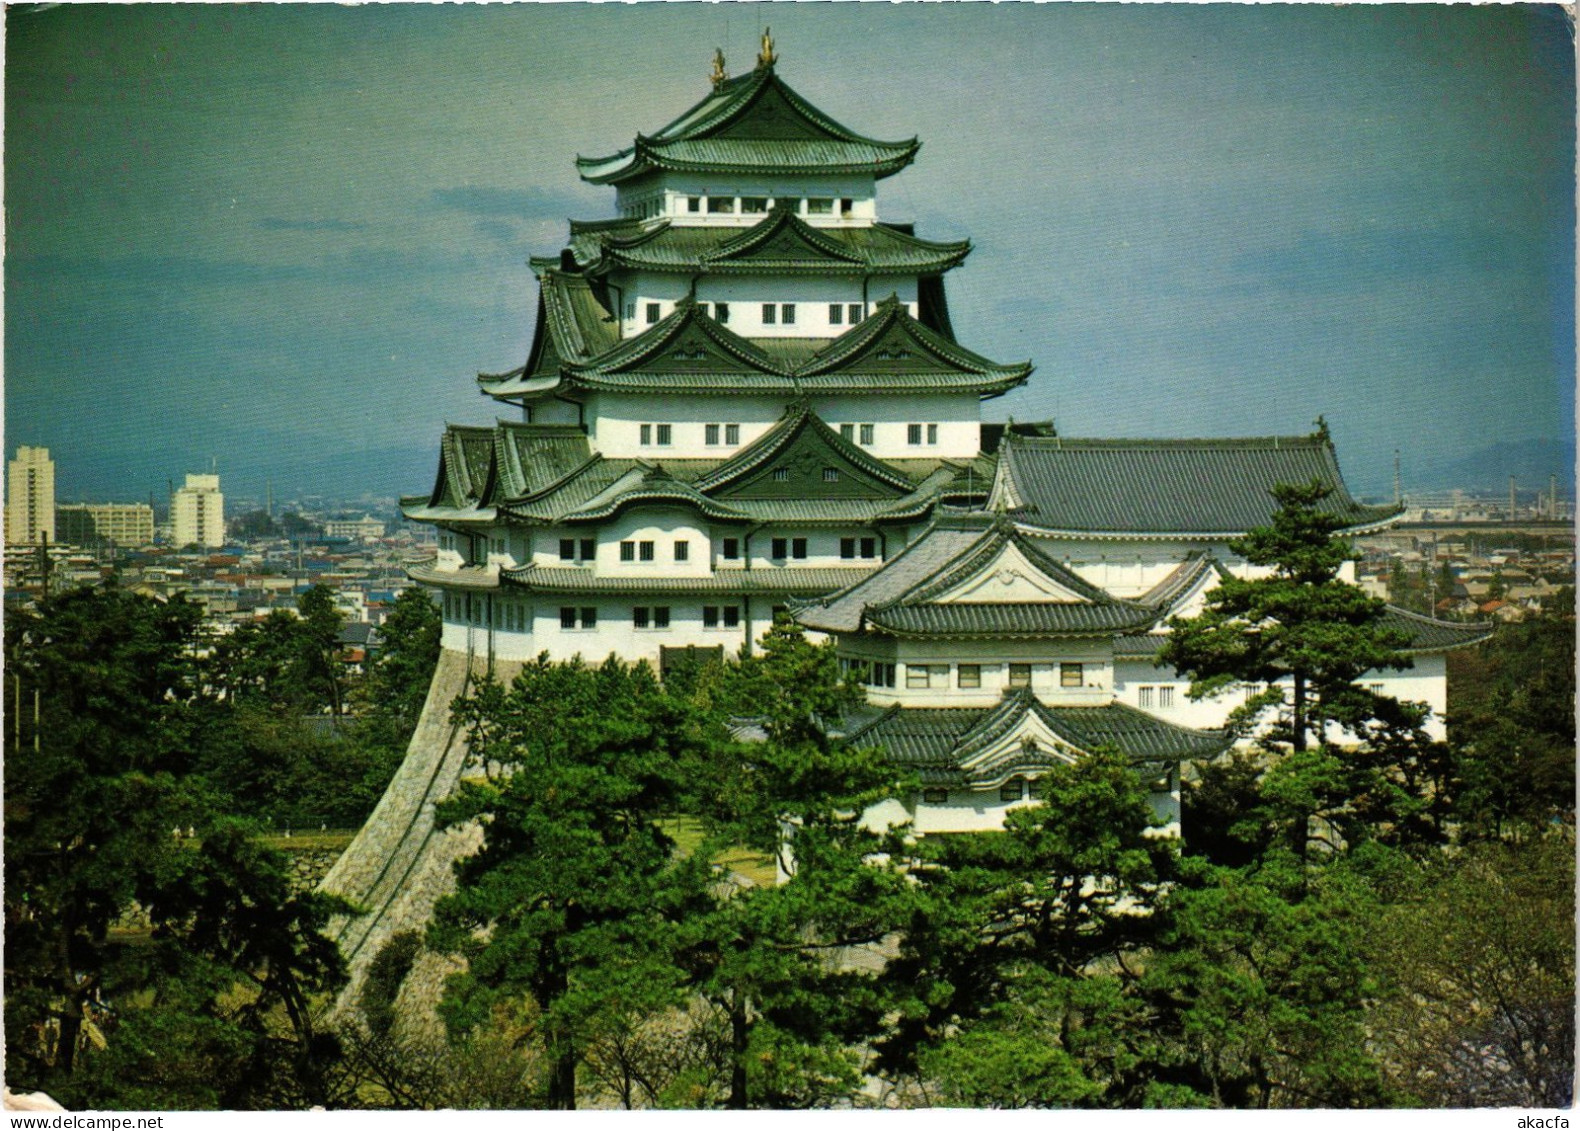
pixel 1531 462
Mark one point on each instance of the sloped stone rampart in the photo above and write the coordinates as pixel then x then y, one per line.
pixel 399 865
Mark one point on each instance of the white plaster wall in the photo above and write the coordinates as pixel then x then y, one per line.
pixel 672 189
pixel 1425 683
pixel 746 295
pixel 616 419
pixel 663 526
pixel 958 416
pixel 822 548
pixel 994 657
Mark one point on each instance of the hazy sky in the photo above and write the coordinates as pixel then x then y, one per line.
pixel 238 232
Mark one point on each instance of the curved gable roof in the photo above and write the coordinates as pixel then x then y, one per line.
pixel 754 123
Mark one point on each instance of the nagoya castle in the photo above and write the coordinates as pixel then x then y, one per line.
pixel 745 395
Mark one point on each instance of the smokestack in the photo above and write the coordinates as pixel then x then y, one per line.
pixel 1398 486
pixel 1552 497
pixel 1511 498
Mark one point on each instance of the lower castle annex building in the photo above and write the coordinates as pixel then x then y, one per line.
pixel 745 395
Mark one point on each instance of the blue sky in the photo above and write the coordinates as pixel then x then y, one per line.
pixel 249 233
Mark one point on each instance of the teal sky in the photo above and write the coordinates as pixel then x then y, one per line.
pixel 251 233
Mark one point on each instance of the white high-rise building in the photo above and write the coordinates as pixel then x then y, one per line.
pixel 30 496
pixel 197 512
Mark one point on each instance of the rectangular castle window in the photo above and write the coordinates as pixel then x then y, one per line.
pixel 628 551
pixel 836 314
pixel 644 551
pixel 869 547
pixel 665 432
pixel 721 204
pixel 787 313
pixel 1165 697
pixel 798 548
pixel 1020 675
pixel 820 206
pixel 847 548
pixel 732 549
pixel 732 433
pixel 1070 675
pixel 1145 696
pixel 710 434
pixel 913 434
pixel 866 434
pixel 847 431
pixel 1012 790
pixel 693 204
pixel 969 675
pixel 567 549
pixel 652 313
pixel 682 551
pixel 780 546
pixel 770 311
pixel 754 205
pixel 853 313
pixel 935 796
pixel 589 549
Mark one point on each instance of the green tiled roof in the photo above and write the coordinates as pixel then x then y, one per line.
pixel 573 325
pixel 901 598
pixel 892 343
pixel 576 345
pixel 800 423
pixel 781 244
pixel 752 124
pixel 1022 621
pixel 938 742
pixel 1208 488
pixel 1430 635
pixel 468 577
pixel 651 487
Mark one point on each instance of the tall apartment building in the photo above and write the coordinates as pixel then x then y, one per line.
pixel 30 496
pixel 125 524
pixel 197 512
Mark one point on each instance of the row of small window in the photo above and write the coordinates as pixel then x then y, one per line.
pixel 1162 697
pixel 780 549
pixel 635 551
pixel 663 435
pixel 1015 789
pixel 580 618
pixel 921 677
pixel 757 205
pixel 773 313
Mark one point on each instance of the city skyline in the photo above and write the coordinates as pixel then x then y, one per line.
pixel 286 234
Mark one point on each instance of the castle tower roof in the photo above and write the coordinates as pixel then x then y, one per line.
pixel 751 125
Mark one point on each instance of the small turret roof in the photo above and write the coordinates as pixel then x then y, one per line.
pixel 944 745
pixel 752 124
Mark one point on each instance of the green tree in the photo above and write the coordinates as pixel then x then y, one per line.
pixel 321 666
pixel 769 958
pixel 234 966
pixel 92 794
pixel 1029 934
pixel 1477 956
pixel 574 901
pixel 1258 986
pixel 391 697
pixel 1299 621
pixel 1512 726
pixel 96 787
